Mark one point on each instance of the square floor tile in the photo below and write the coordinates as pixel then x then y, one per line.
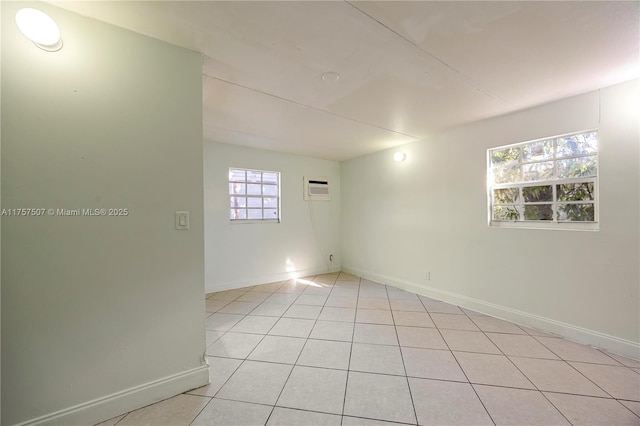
pixel 556 376
pixel 345 276
pixel 292 287
pixel 376 359
pixel 292 327
pixel 212 336
pixel 377 396
pixel 303 311
pixel 222 322
pixel 441 307
pixel 520 345
pixel 111 422
pixel 342 301
pixel 374 316
pixel 315 389
pixel 278 349
pixel 268 288
pixel 375 333
pixel 359 421
pixel 238 308
pixel 179 410
pixel 220 369
pixel 414 319
pixel 282 298
pixel 258 382
pixel 586 410
pixel 407 305
pixel 227 294
pixel 373 303
pixel 331 330
pixel 327 279
pixel 453 322
pixel 269 310
pixel 432 364
pixel 488 369
pixel 232 413
pixel 254 324
pixel 253 296
pixel 618 381
pixel 629 362
pixel 472 312
pixel 345 291
pixel 469 341
pixel 311 299
pixel 318 291
pixel 330 313
pixel 290 417
pixel 447 403
pixel 213 305
pixel 234 345
pixel 376 292
pixel 420 337
pixel 326 354
pixel 509 406
pixel 396 293
pixel 633 406
pixel 353 285
pixel 495 325
pixel 571 351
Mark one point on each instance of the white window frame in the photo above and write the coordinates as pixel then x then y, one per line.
pixel 552 181
pixel 235 209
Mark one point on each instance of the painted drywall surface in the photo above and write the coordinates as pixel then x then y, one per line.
pixel 237 255
pixel 429 214
pixel 93 306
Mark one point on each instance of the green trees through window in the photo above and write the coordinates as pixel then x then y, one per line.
pixel 548 180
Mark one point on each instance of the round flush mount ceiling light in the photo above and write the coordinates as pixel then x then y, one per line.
pixel 399 156
pixel 330 76
pixel 38 27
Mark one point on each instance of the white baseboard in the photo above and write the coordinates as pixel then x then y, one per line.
pixel 272 278
pixel 612 344
pixel 101 409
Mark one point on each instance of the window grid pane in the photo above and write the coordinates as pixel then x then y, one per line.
pixel 551 180
pixel 254 195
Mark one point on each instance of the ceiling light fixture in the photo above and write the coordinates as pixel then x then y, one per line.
pixel 330 76
pixel 399 156
pixel 38 27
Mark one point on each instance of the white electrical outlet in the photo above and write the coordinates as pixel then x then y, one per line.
pixel 427 275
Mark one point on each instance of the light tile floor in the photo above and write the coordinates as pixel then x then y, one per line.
pixel 339 350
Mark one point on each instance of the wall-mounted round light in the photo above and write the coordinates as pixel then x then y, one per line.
pixel 38 27
pixel 399 156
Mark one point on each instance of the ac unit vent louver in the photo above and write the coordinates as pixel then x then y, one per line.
pixel 317 188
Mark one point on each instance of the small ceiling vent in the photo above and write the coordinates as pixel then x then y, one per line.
pixel 317 188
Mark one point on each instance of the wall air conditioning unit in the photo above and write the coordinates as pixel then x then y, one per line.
pixel 316 188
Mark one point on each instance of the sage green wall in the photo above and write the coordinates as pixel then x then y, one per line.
pixel 238 255
pixel 96 308
pixel 429 214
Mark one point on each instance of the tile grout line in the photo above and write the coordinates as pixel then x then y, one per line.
pixel 275 404
pixel 353 333
pixel 404 367
pixel 392 311
pixel 458 363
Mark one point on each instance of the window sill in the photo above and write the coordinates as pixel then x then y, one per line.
pixel 550 225
pixel 253 221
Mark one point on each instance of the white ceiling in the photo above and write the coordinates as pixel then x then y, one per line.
pixel 407 69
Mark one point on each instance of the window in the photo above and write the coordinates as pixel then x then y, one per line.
pixel 254 195
pixel 545 183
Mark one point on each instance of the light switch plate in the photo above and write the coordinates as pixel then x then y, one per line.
pixel 182 221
